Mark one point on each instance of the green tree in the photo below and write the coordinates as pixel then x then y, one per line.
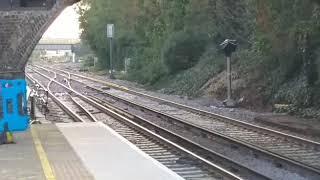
pixel 278 41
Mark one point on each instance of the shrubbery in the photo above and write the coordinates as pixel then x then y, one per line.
pixel 88 60
pixel 183 50
pixel 169 40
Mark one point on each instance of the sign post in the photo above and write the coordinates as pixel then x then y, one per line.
pixel 110 35
pixel 229 46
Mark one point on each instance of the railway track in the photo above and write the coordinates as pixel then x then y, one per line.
pixel 66 102
pixel 203 113
pixel 55 114
pixel 180 160
pixel 288 150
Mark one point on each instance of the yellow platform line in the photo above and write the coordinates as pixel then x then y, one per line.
pixel 48 172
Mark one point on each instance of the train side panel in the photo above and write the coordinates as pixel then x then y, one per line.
pixel 13 105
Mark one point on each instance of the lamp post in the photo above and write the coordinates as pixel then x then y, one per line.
pixel 229 46
pixel 110 35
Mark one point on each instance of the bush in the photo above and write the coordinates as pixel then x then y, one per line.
pixel 88 61
pixel 183 50
pixel 189 82
pixel 146 67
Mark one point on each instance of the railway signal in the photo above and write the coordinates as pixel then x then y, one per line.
pixel 229 46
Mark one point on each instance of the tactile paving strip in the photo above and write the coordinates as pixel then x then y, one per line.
pixel 20 161
pixel 64 161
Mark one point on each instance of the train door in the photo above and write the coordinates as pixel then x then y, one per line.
pixel 1 109
pixel 9 110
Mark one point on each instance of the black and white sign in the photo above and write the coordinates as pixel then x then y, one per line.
pixel 110 30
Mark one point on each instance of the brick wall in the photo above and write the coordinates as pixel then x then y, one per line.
pixel 20 31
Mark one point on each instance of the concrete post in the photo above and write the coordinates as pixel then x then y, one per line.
pixel 95 61
pixel 73 57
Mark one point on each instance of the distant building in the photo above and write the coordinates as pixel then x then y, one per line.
pixel 57 47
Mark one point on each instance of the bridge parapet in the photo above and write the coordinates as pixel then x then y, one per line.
pixel 20 30
pixel 26 4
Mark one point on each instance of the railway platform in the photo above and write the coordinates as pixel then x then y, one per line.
pixel 76 151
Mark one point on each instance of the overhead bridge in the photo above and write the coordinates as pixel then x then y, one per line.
pixel 56 44
pixel 22 24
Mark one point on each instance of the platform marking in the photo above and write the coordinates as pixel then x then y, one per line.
pixel 48 172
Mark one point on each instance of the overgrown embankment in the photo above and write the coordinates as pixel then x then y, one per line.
pixel 173 46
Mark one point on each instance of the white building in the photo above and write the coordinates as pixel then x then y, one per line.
pixel 57 47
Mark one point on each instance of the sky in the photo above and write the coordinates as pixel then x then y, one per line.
pixel 66 26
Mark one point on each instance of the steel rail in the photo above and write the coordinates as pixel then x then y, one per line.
pixel 235 166
pixel 118 116
pixel 209 132
pixel 249 145
pixel 66 108
pixel 93 119
pixel 57 101
pixel 192 109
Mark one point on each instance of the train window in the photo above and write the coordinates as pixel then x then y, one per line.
pixel 21 105
pixel 8 85
pixel 9 106
pixel 1 108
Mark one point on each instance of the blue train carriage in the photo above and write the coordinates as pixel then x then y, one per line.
pixel 13 105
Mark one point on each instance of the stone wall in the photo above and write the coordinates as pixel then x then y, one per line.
pixel 20 31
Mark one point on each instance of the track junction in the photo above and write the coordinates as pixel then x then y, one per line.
pixel 230 146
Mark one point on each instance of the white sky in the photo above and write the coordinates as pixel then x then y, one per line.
pixel 66 26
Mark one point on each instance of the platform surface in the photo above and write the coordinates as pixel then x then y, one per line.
pixel 77 151
pixel 39 154
pixel 109 156
pixel 20 161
